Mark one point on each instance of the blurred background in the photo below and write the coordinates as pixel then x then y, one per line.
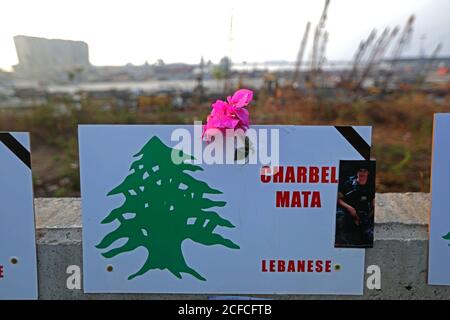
pixel 341 62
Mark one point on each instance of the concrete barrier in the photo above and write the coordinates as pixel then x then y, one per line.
pixel 400 250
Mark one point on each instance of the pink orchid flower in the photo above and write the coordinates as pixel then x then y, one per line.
pixel 230 114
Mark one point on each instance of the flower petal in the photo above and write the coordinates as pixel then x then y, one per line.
pixel 244 116
pixel 219 107
pixel 241 98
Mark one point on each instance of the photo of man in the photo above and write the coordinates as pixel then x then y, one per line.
pixel 355 204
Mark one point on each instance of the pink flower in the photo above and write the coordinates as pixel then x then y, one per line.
pixel 230 114
pixel 240 98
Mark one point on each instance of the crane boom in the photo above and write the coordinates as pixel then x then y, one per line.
pixel 318 33
pixel 323 48
pixel 363 46
pixel 301 52
pixel 374 55
pixel 426 70
pixel 404 39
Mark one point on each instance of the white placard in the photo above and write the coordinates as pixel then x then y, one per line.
pixel 18 270
pixel 439 245
pixel 154 233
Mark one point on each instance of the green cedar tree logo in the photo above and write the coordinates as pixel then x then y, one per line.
pixel 164 206
pixel 447 237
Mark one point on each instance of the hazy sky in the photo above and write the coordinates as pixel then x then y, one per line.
pixel 122 31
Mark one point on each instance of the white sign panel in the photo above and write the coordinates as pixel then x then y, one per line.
pixel 18 271
pixel 439 245
pixel 150 225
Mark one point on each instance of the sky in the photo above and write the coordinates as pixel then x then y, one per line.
pixel 135 31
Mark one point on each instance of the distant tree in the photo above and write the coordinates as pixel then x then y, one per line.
pixel 164 206
pixel 225 65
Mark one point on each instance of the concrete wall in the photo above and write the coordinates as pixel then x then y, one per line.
pixel 400 250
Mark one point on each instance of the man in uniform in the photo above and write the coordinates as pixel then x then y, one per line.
pixel 356 199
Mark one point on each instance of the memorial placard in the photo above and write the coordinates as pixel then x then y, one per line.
pixel 159 220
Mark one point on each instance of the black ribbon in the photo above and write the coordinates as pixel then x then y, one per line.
pixel 16 147
pixel 353 137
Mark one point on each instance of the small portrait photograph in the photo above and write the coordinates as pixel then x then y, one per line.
pixel 355 211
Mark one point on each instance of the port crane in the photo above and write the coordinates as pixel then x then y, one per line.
pixel 359 55
pixel 403 41
pixel 377 53
pixel 301 52
pixel 318 39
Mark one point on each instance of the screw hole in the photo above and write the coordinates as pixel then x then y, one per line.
pixel 14 260
pixel 109 268
pixel 337 267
